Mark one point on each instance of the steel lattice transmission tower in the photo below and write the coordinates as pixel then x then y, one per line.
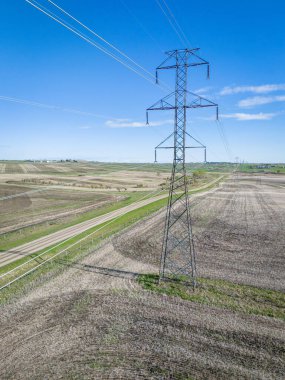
pixel 178 253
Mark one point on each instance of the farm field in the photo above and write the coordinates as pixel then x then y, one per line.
pixel 239 232
pixel 68 233
pixel 96 319
pixel 142 190
pixel 87 167
pixel 36 203
pixel 36 206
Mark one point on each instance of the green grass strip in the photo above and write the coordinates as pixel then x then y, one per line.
pixel 64 260
pixel 223 294
pixel 13 239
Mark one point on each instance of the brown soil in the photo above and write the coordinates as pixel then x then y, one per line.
pixel 94 321
pixel 37 207
pixel 238 232
pixel 131 335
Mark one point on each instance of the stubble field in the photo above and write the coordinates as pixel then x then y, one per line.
pixel 95 320
pixel 41 198
pixel 238 229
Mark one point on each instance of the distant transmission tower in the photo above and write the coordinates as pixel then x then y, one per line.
pixel 178 253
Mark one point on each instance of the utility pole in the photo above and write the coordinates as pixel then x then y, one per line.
pixel 178 253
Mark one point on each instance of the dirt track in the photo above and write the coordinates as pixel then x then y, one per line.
pixel 94 321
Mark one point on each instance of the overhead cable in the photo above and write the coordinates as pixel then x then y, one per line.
pixel 129 64
pixel 177 24
pixel 90 41
pixel 171 23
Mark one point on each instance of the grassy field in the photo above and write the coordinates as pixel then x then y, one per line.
pixel 262 168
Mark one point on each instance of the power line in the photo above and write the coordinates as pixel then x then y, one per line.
pixel 153 128
pixel 90 30
pixel 64 23
pixel 102 39
pixel 141 24
pixel 91 42
pixel 224 139
pixel 104 50
pixel 178 30
pixel 52 107
pixel 170 22
pixel 222 133
pixel 176 22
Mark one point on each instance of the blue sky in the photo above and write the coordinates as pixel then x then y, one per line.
pixel 43 62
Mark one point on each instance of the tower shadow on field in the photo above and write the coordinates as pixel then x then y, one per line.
pixel 102 270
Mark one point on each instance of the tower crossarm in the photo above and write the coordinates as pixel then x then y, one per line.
pixel 193 59
pixel 161 146
pixel 193 101
pixel 198 101
pixel 166 103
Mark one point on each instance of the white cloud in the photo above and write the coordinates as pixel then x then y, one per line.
pixel 202 90
pixel 260 100
pixel 249 116
pixel 128 123
pixel 263 89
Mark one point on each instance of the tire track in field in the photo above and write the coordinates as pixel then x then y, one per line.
pixel 217 212
pixel 274 230
pixel 270 211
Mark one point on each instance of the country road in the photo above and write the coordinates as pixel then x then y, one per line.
pixel 59 236
pixel 69 232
